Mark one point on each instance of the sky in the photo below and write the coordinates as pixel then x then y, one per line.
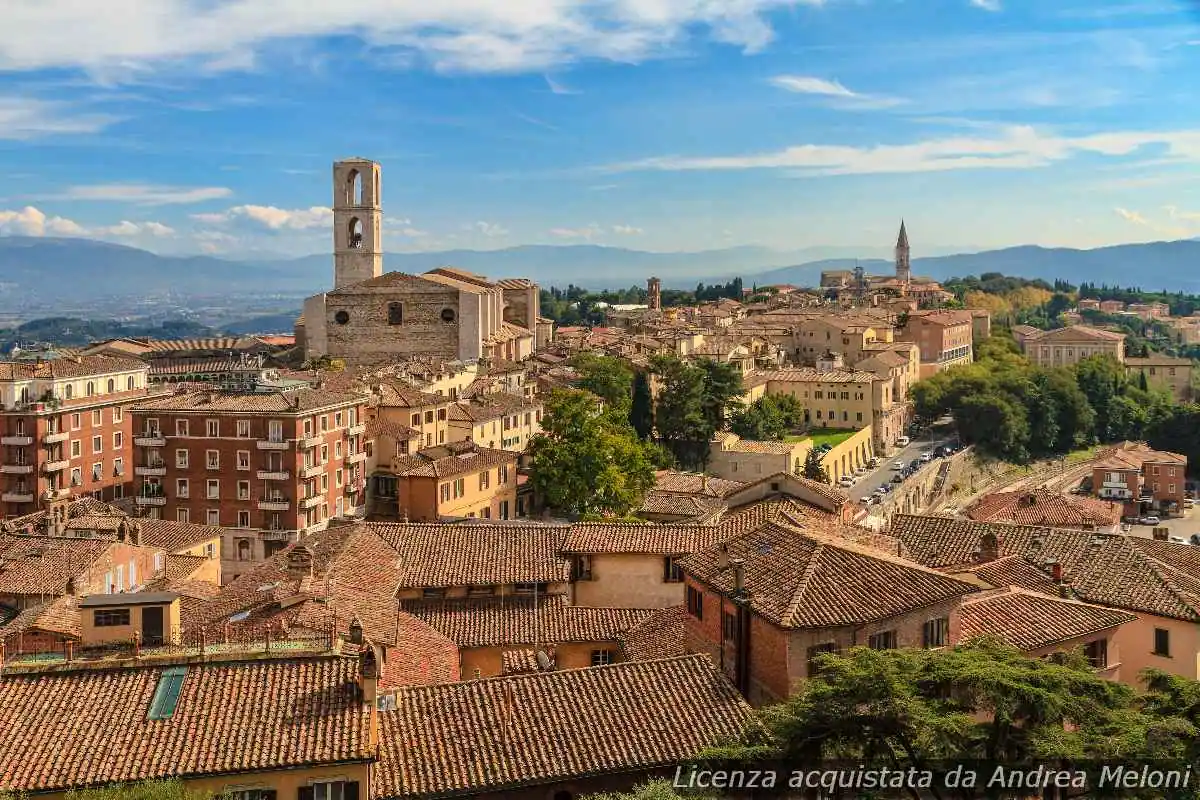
pixel 210 126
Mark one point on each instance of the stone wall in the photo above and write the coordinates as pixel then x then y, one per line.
pixel 358 328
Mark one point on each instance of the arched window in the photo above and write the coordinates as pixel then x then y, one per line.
pixel 354 234
pixel 243 547
pixel 25 395
pixel 112 385
pixel 90 389
pixel 354 188
pixel 69 391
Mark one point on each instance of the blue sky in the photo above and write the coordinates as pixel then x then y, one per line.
pixel 191 126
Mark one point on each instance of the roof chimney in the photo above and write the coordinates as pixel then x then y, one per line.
pixel 1056 572
pixel 739 575
pixel 989 547
pixel 723 555
pixel 704 482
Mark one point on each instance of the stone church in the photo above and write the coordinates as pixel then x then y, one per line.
pixel 373 317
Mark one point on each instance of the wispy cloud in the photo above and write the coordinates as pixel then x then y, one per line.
pixel 142 194
pixel 559 88
pixel 834 92
pixel 470 35
pixel 276 219
pixel 535 121
pixel 987 5
pixel 23 119
pixel 1178 225
pixel 31 221
pixel 491 230
pixel 627 230
pixel 1017 147
pixel 593 231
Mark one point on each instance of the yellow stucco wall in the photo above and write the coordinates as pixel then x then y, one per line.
pixel 628 580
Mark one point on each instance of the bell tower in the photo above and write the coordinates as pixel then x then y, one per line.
pixel 357 222
pixel 903 262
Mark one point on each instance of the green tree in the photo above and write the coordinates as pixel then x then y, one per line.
pixel 1143 384
pixel 147 790
pixel 722 387
pixel 1101 378
pixel 651 790
pixel 769 418
pixel 587 460
pixel 679 413
pixel 996 424
pixel 641 410
pixel 814 470
pixel 610 379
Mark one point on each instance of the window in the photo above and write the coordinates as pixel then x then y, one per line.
pixel 324 453
pixel 445 492
pixel 416 420
pixel 212 427
pixel 502 474
pixel 244 518
pixel 935 632
pixel 181 488
pixel 166 694
pixel 307 428
pixel 485 479
pixel 118 467
pixel 333 790
pixel 337 449
pixel 76 420
pixel 181 459
pixel 1162 642
pixel 76 448
pixel 672 572
pixel 1097 653
pixel 97 418
pixel 97 444
pixel 337 419
pixel 243 489
pixel 213 490
pixel 395 314
pixel 212 459
pixel 729 626
pixel 251 794
pixel 130 384
pixel 120 577
pixel 695 602
pixel 428 417
pixel 324 483
pixel 884 640
pixel 601 657
pixel 90 389
pixel 815 652
pixel 581 568
pixel 97 471
pixel 181 515
pixel 76 476
pixel 160 558
pixel 110 618
pixel 243 429
pixel 212 516
pixel 460 487
pixel 275 430
pixel 181 427
pixel 338 478
pixel 118 440
pixel 243 459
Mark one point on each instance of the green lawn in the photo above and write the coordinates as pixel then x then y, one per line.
pixel 830 436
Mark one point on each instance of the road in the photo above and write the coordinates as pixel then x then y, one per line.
pixel 939 434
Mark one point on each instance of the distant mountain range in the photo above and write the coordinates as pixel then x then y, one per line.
pixel 36 273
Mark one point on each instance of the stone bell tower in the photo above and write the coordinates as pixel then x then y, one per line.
pixel 357 222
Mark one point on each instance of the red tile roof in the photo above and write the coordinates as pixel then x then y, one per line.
pixel 525 730
pixel 1032 621
pixel 90 727
pixel 450 460
pixel 1046 508
pixel 659 635
pixel 432 555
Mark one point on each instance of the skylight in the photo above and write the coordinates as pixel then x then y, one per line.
pixel 166 695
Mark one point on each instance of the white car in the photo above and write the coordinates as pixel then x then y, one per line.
pixel 903 441
pixel 845 482
pixel 898 465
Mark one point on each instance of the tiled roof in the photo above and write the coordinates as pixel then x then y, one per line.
pixel 1158 360
pixel 1132 455
pixel 1111 570
pixel 83 508
pixel 519 662
pixel 797 580
pixel 60 615
pixel 659 635
pixel 1031 621
pixel 432 555
pixel 1073 333
pixel 449 460
pixel 516 620
pixel 173 536
pixel 195 366
pixel 379 426
pixel 292 401
pixel 811 375
pixel 69 367
pixel 491 405
pixel 91 728
pixel 1046 508
pixel 44 564
pixel 731 442
pixel 677 505
pixel 1012 571
pixel 178 568
pixel 401 395
pixel 500 733
pixel 649 538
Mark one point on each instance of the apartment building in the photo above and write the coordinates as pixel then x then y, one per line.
pixel 1184 330
pixel 1164 373
pixel 65 430
pixel 1142 478
pixel 944 338
pixel 1065 347
pixel 848 399
pixel 460 479
pixel 264 466
pixel 1149 311
pixel 497 420
pixel 425 413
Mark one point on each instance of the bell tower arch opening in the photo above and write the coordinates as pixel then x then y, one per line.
pixel 357 222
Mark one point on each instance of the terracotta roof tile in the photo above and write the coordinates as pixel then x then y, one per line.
pixel 1031 621
pixel 659 635
pixel 650 538
pixel 60 615
pixel 449 460
pixel 500 733
pixel 90 727
pixel 43 565
pixel 513 621
pixel 69 367
pixel 432 555
pixel 1046 508
pixel 678 505
pixel 292 401
pixel 180 568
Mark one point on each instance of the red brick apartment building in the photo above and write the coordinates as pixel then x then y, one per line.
pixel 65 430
pixel 1141 478
pixel 265 466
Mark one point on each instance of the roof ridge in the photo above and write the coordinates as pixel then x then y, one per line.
pixel 802 587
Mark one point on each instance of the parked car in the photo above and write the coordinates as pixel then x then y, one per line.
pixel 898 478
pixel 861 471
pixel 897 465
pixel 903 441
pixel 845 482
pixel 1151 520
pixel 873 463
pixel 926 457
pixel 1189 502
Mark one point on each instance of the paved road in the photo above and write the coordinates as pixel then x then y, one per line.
pixel 940 434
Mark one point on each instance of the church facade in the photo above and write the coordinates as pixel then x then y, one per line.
pixel 373 317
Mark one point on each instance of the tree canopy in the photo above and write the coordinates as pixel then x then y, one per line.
pixel 692 406
pixel 769 418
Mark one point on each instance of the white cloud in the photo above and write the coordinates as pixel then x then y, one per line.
pixel 834 91
pixel 1131 216
pixel 1015 147
pixel 490 229
pixel 31 221
pixel 143 194
pixel 627 230
pixel 125 36
pixel 1178 225
pixel 558 88
pixel 587 233
pixel 276 219
pixel 987 5
pixel 23 118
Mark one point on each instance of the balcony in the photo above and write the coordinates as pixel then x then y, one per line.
pixel 354 487
pixel 356 430
pixel 1115 493
pixel 312 502
pixel 277 536
pixel 150 439
pixel 151 499
pixel 16 469
pixel 313 471
pixel 151 470
pixel 16 441
pixel 17 497
pixel 274 504
pixel 356 458
pixel 55 466
pixel 54 437
pixel 273 444
pixel 274 475
pixel 56 494
pixel 310 442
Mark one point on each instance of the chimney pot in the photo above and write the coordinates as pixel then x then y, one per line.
pixel 739 575
pixel 1056 572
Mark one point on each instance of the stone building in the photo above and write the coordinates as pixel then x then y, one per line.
pixel 374 317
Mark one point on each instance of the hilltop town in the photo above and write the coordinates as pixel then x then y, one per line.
pixel 432 543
